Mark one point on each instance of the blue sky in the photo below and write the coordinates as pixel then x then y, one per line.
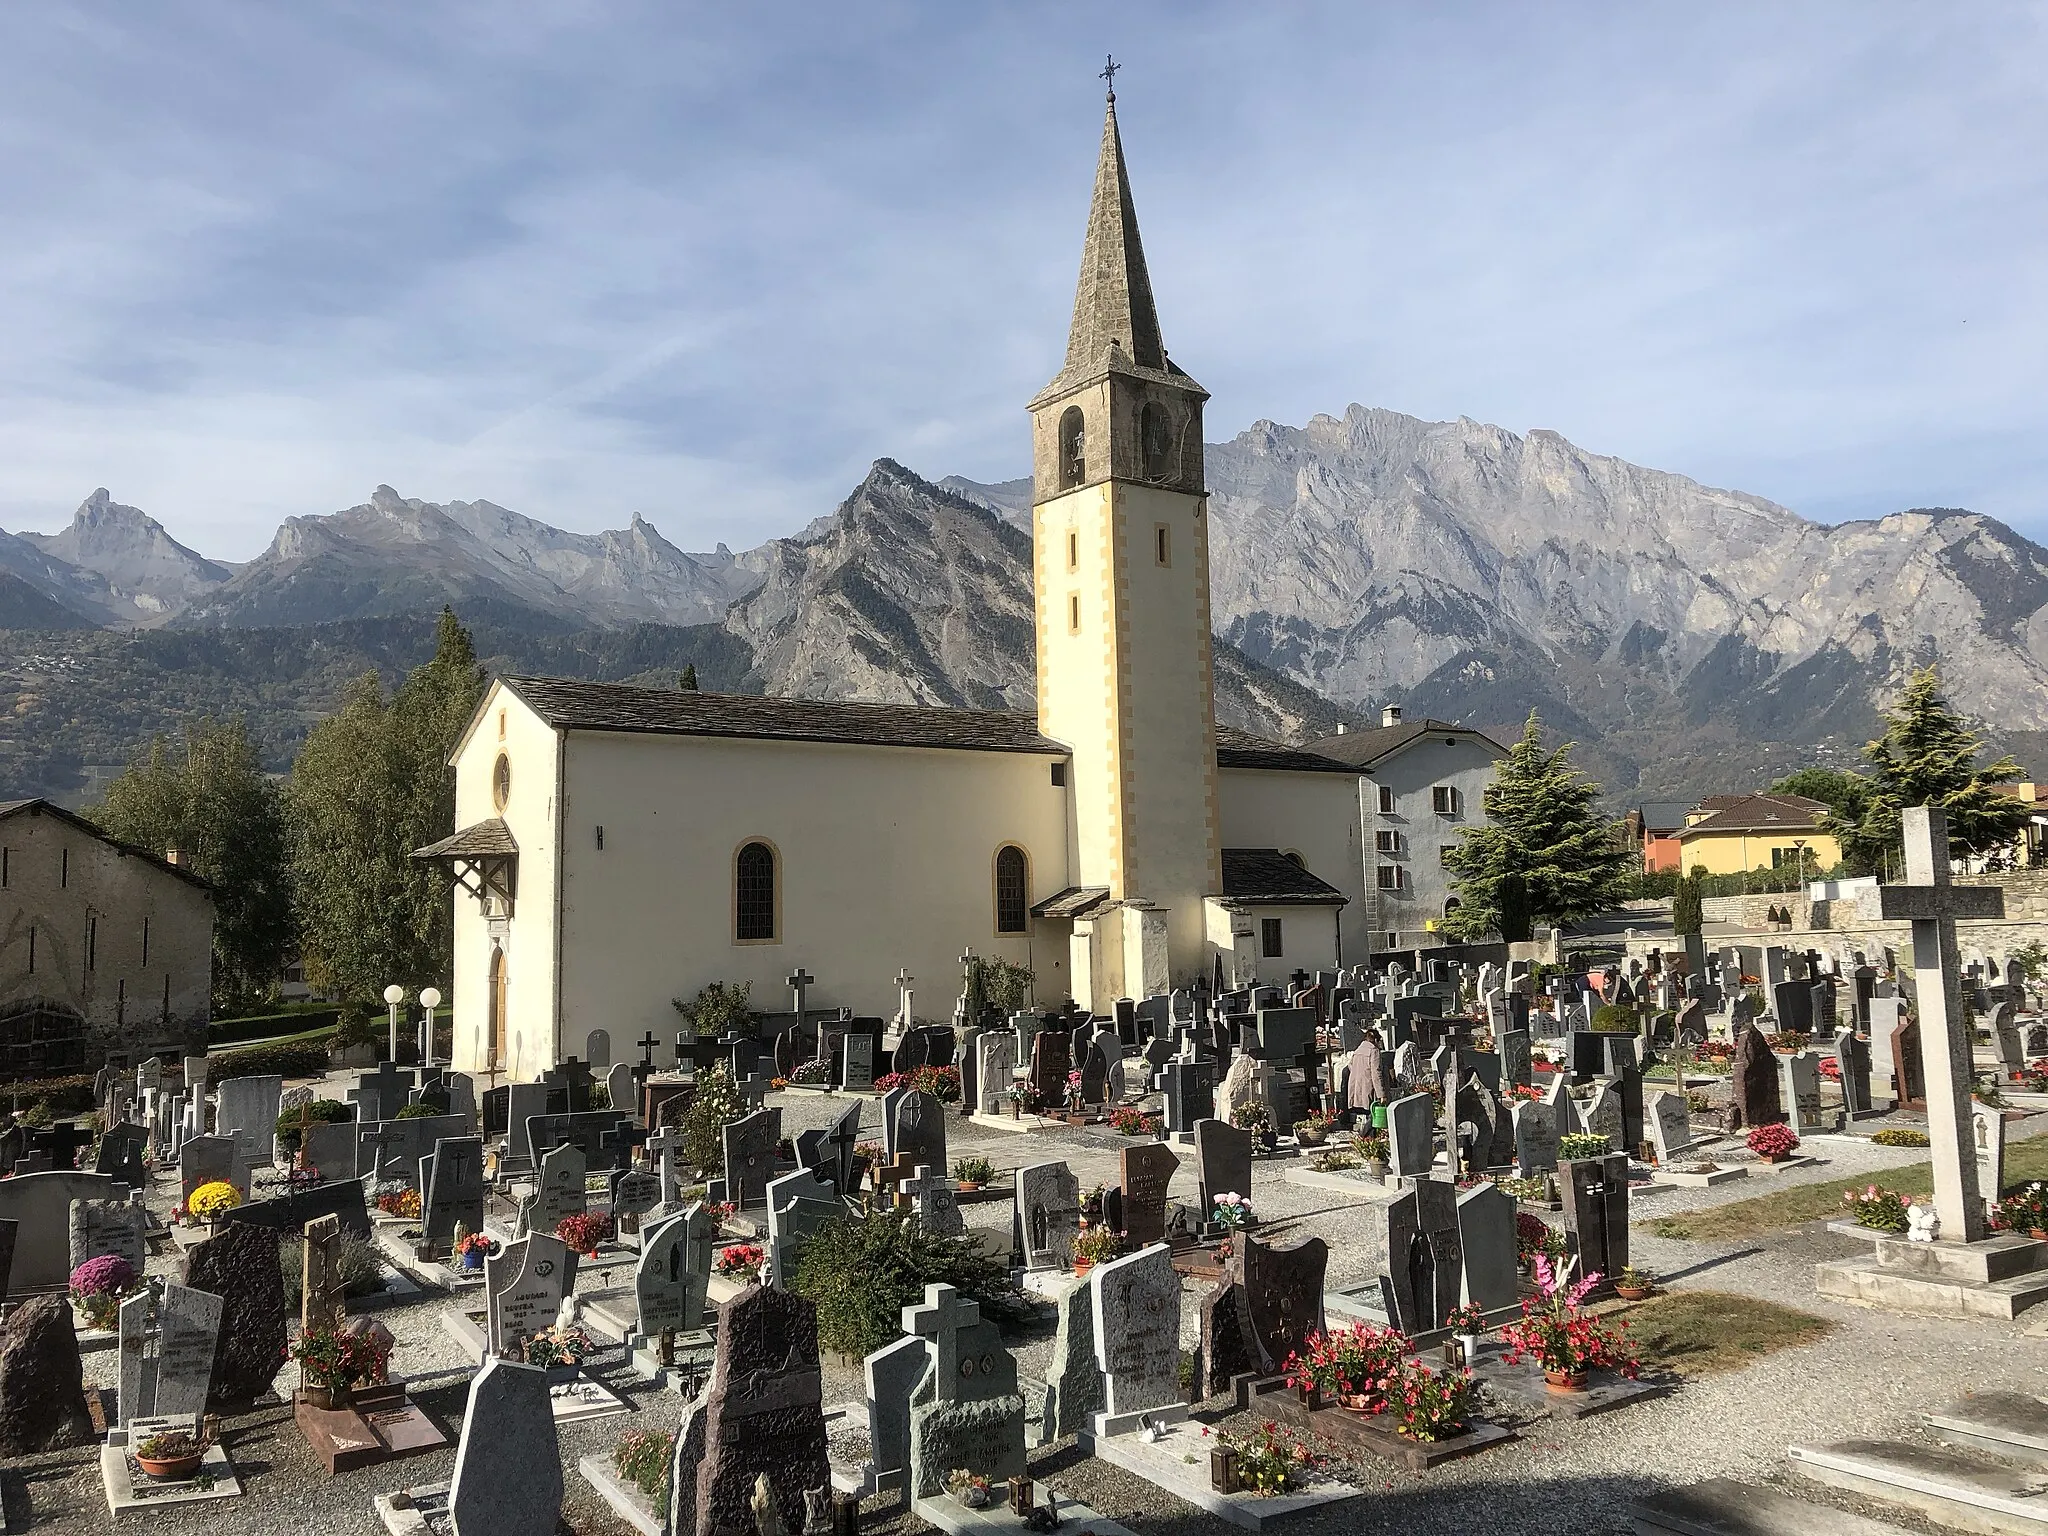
pixel 706 263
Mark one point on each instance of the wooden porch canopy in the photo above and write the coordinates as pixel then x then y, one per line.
pixel 483 859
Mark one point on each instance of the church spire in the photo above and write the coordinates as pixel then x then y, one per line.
pixel 1113 300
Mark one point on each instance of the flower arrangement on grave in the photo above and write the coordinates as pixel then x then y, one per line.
pixel 1370 1145
pixel 778 1083
pixel 720 1212
pixel 973 1172
pixel 1772 1142
pixel 1561 1338
pixel 1252 1115
pixel 1315 1130
pixel 1987 1093
pixel 98 1286
pixel 1897 1136
pixel 1095 1244
pixel 1537 1188
pixel 561 1345
pixel 1272 1461
pixel 1880 1209
pixel 1534 1238
pixel 1128 1120
pixel 1634 1284
pixel 2024 1210
pixel 1355 1366
pixel 942 1083
pixel 213 1200
pixel 2033 1076
pixel 645 1458
pixel 1831 1069
pixel 1231 1210
pixel 816 1070
pixel 175 1453
pixel 1336 1160
pixel 585 1230
pixel 866 1155
pixel 1581 1144
pixel 402 1203
pixel 337 1359
pixel 742 1261
pixel 1516 1093
pixel 1429 1405
pixel 970 1488
pixel 1466 1319
pixel 472 1248
pixel 1074 1091
pixel 1789 1041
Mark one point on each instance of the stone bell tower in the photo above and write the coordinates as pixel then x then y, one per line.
pixel 1121 566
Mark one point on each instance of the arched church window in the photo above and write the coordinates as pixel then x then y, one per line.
pixel 1073 448
pixel 754 893
pixel 1155 440
pixel 1013 890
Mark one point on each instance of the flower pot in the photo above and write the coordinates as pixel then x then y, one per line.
pixel 1469 1343
pixel 1082 1266
pixel 472 1261
pixel 1564 1382
pixel 968 1186
pixel 562 1375
pixel 1774 1157
pixel 1632 1292
pixel 324 1395
pixel 171 1468
pixel 972 1498
pixel 1311 1397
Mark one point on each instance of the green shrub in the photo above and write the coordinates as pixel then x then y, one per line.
pixel 319 1112
pixel 356 1025
pixel 644 1458
pixel 359 1264
pixel 1575 1144
pixel 715 1105
pixel 416 1112
pixel 1613 1019
pixel 1901 1138
pixel 307 1058
pixel 59 1095
pixel 861 1272
pixel 717 1008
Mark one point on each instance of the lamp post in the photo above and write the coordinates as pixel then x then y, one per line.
pixel 430 999
pixel 394 996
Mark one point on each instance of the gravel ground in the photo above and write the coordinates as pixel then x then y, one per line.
pixel 1869 1377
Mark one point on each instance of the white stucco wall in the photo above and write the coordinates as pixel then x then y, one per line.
pixel 1466 764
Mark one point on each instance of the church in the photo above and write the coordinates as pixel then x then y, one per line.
pixel 620 847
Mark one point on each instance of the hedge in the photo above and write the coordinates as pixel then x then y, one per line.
pixel 285 1021
pixel 298 1059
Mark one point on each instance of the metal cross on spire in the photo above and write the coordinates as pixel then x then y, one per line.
pixel 1109 70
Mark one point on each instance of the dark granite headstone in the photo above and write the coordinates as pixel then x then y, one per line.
pixel 1423 1255
pixel 764 1413
pixel 1753 1084
pixel 1226 1338
pixel 1051 1056
pixel 1223 1161
pixel 290 1213
pixel 1283 1290
pixel 42 1381
pixel 1595 1193
pixel 239 1265
pixel 921 1130
pixel 1147 1170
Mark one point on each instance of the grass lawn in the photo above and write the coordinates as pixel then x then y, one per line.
pixel 1701 1333
pixel 2024 1161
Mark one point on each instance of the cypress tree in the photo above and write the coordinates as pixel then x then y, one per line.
pixel 1685 906
pixel 1545 853
pixel 688 681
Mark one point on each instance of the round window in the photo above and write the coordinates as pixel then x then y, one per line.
pixel 501 782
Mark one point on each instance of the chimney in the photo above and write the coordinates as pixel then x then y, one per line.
pixel 1342 727
pixel 1390 715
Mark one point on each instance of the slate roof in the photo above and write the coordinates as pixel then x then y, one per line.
pixel 41 807
pixel 1757 813
pixel 578 706
pixel 476 841
pixel 1267 877
pixel 1074 901
pixel 1663 818
pixel 1363 749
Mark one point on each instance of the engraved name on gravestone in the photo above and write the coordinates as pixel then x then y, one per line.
pixel 674 1272
pixel 524 1284
pixel 102 1227
pixel 1137 1339
pixel 168 1340
pixel 1147 1172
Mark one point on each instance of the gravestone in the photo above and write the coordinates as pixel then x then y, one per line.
pixel 1602 1116
pixel 1048 1215
pixel 1987 1139
pixel 283 1214
pixel 635 1192
pixel 673 1275
pixel 1753 1084
pixel 893 1373
pixel 381 1094
pixel 1190 1093
pixel 1073 1376
pixel 454 1190
pixel 42 1380
pixel 1146 1172
pixel 247 1113
pixel 1595 1193
pixel 562 1190
pixel 1051 1056
pixel 1283 1295
pixel 508 1462
pixel 1792 1002
pixel 1908 1066
pixel 393 1149
pixel 1486 1242
pixel 935 1202
pixel 798 1205
pixel 122 1154
pixel 168 1340
pixel 764 1413
pixel 204 1159
pixel 966 1413
pixel 857 1062
pixel 750 1162
pixel 1670 1126
pixel 239 1265
pixel 1802 1095
pixel 524 1283
pixel 605 1137
pixel 621 1089
pixel 995 1062
pixel 1411 1135
pixel 323 1293
pixel 1223 1162
pixel 1535 1127
pixel 524 1103
pixel 103 1227
pixel 1516 1063
pixel 330 1149
pixel 1137 1339
pixel 39 1206
pixel 1422 1255
pixel 921 1130
pixel 1852 1070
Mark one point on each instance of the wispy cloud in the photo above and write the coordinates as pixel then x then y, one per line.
pixel 705 263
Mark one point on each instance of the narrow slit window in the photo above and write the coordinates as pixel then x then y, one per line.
pixel 1073 551
pixel 1162 544
pixel 1269 938
pixel 1073 613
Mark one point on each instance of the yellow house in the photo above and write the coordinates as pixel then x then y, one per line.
pixel 1732 834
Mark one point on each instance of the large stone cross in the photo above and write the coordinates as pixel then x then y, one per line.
pixel 1931 902
pixel 942 1318
pixel 799 981
pixel 752 1089
pixel 647 1045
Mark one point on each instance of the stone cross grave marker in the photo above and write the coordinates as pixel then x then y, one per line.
pixel 1931 902
pixel 381 1094
pixel 1137 1340
pixel 323 1294
pixel 168 1338
pixel 966 1411
pixel 936 1201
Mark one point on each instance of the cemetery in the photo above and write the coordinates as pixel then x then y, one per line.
pixel 1362 1252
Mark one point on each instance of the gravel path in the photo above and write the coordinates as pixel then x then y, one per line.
pixel 1871 1376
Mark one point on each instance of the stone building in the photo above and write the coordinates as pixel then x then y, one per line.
pixel 620 847
pixel 105 949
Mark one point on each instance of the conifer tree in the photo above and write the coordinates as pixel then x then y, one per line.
pixel 1544 854
pixel 1685 905
pixel 688 681
pixel 1928 756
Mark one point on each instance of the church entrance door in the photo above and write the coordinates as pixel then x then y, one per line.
pixel 497 1020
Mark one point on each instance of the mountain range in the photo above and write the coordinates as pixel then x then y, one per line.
pixel 1691 639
